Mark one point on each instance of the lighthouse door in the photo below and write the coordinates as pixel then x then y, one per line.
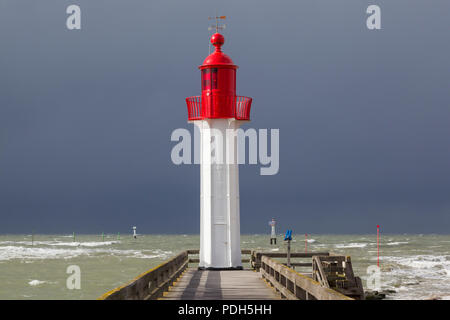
pixel 221 252
pixel 219 210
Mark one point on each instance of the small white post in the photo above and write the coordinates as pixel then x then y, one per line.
pixel 273 235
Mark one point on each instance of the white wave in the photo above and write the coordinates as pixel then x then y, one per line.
pixel 418 276
pixel 33 253
pixel 36 253
pixel 34 283
pixel 142 255
pixel 84 244
pixel 441 262
pixel 62 243
pixel 351 245
pixel 397 243
pixel 321 245
pixel 311 240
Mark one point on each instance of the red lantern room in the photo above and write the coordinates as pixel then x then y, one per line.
pixel 218 99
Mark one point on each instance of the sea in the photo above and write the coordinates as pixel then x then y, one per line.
pixel 42 266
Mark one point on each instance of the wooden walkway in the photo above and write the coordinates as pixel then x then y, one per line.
pixel 220 285
pixel 332 278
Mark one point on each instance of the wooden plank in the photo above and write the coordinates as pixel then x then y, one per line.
pixel 293 254
pixel 257 256
pixel 284 291
pixel 220 285
pixel 150 284
pixel 300 264
pixel 307 284
pixel 197 251
pixel 196 260
pixel 321 274
pixel 157 292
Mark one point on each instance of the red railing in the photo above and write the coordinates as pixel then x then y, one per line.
pixel 243 105
pixel 194 106
pixel 242 111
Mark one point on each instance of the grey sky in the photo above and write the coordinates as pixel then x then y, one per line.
pixel 86 116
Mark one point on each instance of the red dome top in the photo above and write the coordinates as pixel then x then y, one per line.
pixel 218 58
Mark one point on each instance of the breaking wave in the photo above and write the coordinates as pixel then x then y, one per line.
pixel 62 244
pixel 35 283
pixel 406 274
pixel 351 245
pixel 397 243
pixel 36 253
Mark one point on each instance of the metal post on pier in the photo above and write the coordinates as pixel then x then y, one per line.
pixel 288 238
pixel 289 253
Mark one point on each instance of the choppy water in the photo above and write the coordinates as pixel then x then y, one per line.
pixel 415 266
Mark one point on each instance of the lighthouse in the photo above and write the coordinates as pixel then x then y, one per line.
pixel 218 113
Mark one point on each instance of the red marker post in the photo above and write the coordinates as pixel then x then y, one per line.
pixel 378 246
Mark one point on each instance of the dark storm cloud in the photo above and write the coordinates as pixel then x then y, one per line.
pixel 86 116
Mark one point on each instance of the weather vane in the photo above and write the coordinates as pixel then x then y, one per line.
pixel 217 26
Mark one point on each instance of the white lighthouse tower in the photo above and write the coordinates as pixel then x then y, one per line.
pixel 218 113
